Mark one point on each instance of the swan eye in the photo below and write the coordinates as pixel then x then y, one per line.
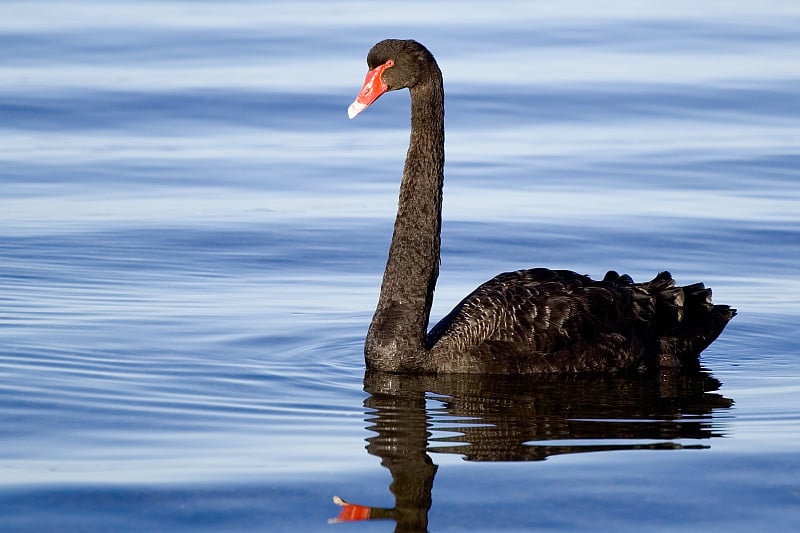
pixel 389 63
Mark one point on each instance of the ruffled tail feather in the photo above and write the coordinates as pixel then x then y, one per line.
pixel 682 321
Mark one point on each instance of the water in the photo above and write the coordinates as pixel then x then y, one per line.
pixel 193 235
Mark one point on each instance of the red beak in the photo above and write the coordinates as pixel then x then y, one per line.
pixel 350 511
pixel 373 87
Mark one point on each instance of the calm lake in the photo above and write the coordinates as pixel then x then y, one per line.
pixel 192 237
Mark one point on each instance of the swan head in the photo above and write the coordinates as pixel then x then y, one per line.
pixel 393 64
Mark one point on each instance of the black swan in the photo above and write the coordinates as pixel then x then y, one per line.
pixel 523 322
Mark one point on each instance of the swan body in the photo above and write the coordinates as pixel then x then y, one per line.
pixel 522 322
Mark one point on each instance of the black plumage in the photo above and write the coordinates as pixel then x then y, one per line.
pixel 527 321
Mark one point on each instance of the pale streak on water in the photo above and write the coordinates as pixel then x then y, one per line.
pixel 192 236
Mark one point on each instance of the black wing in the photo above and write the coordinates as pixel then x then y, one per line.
pixel 556 320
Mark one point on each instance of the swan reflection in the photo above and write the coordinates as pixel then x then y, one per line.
pixel 523 418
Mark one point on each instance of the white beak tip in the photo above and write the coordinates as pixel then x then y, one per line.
pixel 355 108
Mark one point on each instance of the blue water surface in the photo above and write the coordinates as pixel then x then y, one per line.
pixel 192 238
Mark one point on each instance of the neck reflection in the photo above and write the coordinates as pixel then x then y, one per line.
pixel 527 418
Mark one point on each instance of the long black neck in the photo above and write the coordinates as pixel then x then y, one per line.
pixel 396 337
